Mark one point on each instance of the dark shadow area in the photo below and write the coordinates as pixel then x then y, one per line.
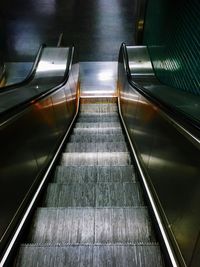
pixel 95 28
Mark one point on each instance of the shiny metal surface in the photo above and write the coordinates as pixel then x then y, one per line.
pixel 172 164
pixel 28 142
pixel 17 71
pixel 139 61
pixel 49 73
pixel 143 74
pixel 98 79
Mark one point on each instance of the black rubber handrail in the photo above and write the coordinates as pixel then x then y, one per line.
pixel 9 113
pixel 29 77
pixel 190 124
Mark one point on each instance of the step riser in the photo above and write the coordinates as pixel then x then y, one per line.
pixel 91 256
pixel 98 125
pixel 94 174
pixel 96 147
pixel 93 195
pixel 92 159
pixel 88 225
pixel 90 138
pixel 92 130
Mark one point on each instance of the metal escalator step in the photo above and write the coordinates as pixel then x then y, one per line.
pixel 98 118
pixel 93 130
pixel 96 147
pixel 101 114
pixel 95 138
pixel 93 195
pixel 85 174
pixel 91 225
pixel 99 100
pixel 101 108
pixel 137 255
pixel 96 158
pixel 97 125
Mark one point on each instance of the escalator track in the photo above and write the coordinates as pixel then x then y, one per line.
pixel 93 212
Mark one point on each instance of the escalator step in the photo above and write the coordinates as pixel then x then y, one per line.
pixel 95 138
pixel 137 255
pixel 91 225
pixel 98 118
pixel 101 108
pixel 96 147
pixel 93 130
pixel 96 158
pixel 97 125
pixel 85 174
pixel 98 114
pixel 98 100
pixel 93 195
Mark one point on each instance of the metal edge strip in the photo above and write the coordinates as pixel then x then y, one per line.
pixel 40 187
pixel 163 232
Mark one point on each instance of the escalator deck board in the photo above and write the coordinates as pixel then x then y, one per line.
pixel 137 255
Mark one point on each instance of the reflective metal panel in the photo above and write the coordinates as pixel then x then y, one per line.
pixel 28 142
pixel 60 109
pixel 18 168
pixel 49 73
pixel 172 163
pixel 142 73
pixel 98 79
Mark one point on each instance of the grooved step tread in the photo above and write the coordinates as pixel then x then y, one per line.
pixel 137 255
pixel 98 113
pixel 101 108
pixel 98 118
pixel 85 174
pixel 98 100
pixel 96 158
pixel 98 125
pixel 96 138
pixel 102 130
pixel 93 195
pixel 96 147
pixel 91 225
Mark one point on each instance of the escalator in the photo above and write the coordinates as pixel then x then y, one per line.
pixel 103 180
pixel 93 212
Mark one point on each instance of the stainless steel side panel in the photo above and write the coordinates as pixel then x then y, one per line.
pixel 172 163
pixel 28 142
pixel 49 73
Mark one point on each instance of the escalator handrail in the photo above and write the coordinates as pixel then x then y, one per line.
pixel 13 111
pixel 189 125
pixel 30 75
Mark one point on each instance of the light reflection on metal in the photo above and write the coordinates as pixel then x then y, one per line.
pixel 46 66
pixel 105 75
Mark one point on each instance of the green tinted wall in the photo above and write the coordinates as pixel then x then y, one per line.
pixel 172 34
